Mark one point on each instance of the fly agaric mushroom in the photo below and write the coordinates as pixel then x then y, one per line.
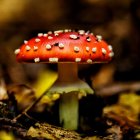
pixel 68 49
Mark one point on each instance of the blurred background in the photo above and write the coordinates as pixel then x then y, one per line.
pixel 117 21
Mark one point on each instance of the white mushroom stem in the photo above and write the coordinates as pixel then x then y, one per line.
pixel 69 110
pixel 69 86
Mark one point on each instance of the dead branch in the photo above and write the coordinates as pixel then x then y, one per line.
pixel 118 88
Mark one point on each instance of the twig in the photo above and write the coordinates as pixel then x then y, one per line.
pixel 118 88
pixel 29 107
pixel 11 125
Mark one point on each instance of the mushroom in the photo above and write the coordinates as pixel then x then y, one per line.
pixel 68 49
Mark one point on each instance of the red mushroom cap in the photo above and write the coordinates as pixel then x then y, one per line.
pixel 65 46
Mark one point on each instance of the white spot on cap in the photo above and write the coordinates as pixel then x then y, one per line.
pixel 87 49
pixel 81 32
pixel 36 60
pixel 76 49
pixel 50 37
pixel 110 48
pixel 99 37
pixel 49 32
pixel 27 48
pixel 45 35
pixel 73 36
pixel 111 54
pixel 61 45
pixel 88 39
pixel 89 61
pixel 25 41
pixel 94 49
pixel 59 31
pixel 56 34
pixel 35 48
pixel 77 59
pixel 37 40
pixel 103 51
pixel 54 59
pixel 66 30
pixel 40 34
pixel 87 33
pixel 17 51
pixel 48 47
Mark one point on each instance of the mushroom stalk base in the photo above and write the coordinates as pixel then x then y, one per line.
pixel 68 110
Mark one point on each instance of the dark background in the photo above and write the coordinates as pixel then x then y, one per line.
pixel 118 21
